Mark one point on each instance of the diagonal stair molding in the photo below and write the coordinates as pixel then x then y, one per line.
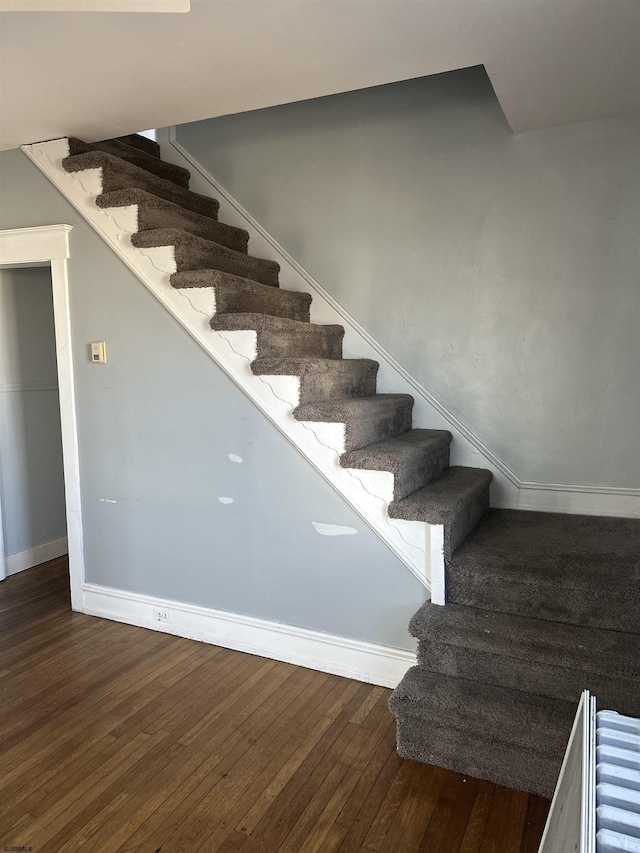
pixel 508 490
pixel 420 546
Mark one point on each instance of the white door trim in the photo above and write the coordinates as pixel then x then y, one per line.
pixel 49 244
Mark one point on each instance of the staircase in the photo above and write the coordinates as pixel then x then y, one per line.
pixel 540 606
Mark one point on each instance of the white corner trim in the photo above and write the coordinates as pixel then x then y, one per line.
pixel 26 246
pixel 511 489
pixel 362 661
pixel 34 556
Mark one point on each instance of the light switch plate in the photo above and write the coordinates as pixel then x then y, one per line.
pixel 99 352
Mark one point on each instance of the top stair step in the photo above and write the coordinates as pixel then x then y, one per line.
pixel 456 500
pixel 175 174
pixel 579 569
pixel 145 144
pixel 117 174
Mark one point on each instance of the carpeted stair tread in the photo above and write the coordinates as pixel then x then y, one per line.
pixel 150 146
pixel 322 378
pixel 527 654
pixel 494 716
pixel 582 570
pixel 193 252
pixel 155 212
pixel 131 154
pixel 278 336
pixel 415 458
pixel 475 753
pixel 367 419
pixel 457 500
pixel 117 174
pixel 235 294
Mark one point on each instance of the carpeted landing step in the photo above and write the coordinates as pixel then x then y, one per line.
pixel 457 500
pixel 277 336
pixel 507 736
pixel 235 294
pixel 192 253
pixel 583 570
pixel 531 655
pixel 117 174
pixel 155 213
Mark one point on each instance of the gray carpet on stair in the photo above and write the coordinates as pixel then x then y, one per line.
pixel 192 253
pixel 533 655
pixel 142 142
pixel 277 336
pixel 415 458
pixel 235 294
pixel 119 175
pixel 323 379
pixel 458 500
pixel 156 213
pixel 584 570
pixel 439 715
pixel 131 154
pixel 367 420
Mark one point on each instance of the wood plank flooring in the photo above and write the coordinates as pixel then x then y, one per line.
pixel 115 739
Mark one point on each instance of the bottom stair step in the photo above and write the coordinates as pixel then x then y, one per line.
pixel 505 736
pixel 532 655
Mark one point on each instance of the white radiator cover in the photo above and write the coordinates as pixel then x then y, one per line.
pixel 596 804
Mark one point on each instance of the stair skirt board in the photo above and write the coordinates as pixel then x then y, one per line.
pixel 362 661
pixel 417 544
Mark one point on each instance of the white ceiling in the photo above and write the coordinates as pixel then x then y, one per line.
pixel 98 75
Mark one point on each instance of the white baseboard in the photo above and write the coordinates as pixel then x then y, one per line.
pixel 362 661
pixel 15 563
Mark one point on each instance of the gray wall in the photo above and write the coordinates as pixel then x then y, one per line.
pixel 502 271
pixel 32 481
pixel 156 427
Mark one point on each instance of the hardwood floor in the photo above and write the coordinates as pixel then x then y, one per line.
pixel 115 739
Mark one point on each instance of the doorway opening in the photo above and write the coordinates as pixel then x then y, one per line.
pixel 40 512
pixel 31 471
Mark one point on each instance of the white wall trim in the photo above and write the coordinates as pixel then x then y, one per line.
pixel 25 246
pixel 576 498
pixel 362 661
pixel 34 556
pixel 50 244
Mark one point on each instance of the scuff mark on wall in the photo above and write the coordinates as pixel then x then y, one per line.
pixel 235 458
pixel 106 501
pixel 226 500
pixel 333 529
